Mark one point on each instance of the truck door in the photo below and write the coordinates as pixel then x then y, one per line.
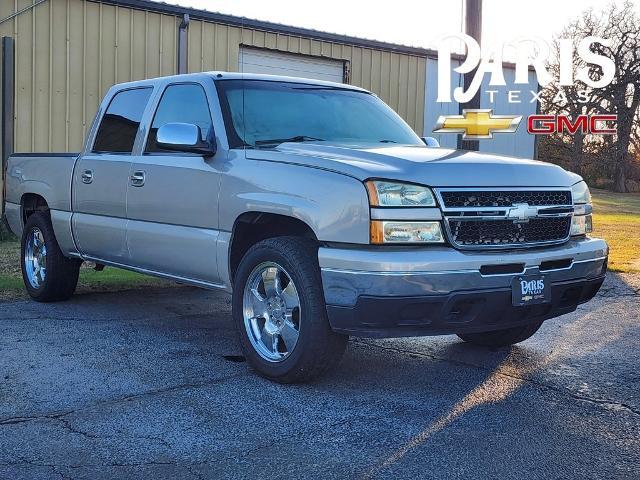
pixel 101 177
pixel 172 199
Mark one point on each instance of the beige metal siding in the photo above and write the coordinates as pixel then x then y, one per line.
pixel 69 52
pixel 398 79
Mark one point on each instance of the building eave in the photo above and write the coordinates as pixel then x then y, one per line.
pixel 221 18
pixel 278 28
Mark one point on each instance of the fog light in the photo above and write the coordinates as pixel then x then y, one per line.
pixel 405 232
pixel 581 225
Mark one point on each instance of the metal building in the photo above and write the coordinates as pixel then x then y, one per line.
pixel 60 57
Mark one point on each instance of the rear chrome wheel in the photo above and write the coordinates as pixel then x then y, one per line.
pixel 271 311
pixel 48 275
pixel 35 258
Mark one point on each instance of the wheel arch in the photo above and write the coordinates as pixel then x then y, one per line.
pixel 252 227
pixel 31 203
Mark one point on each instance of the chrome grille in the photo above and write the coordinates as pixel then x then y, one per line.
pixel 511 218
pixel 507 198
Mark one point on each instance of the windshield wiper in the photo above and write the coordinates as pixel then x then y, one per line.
pixel 297 139
pixel 387 141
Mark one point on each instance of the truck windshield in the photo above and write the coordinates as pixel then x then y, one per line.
pixel 261 113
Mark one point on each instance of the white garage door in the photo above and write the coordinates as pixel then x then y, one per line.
pixel 292 65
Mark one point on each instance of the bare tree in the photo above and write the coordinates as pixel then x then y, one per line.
pixel 621 25
pixel 622 96
pixel 569 149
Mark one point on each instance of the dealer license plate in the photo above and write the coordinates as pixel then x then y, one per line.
pixel 530 290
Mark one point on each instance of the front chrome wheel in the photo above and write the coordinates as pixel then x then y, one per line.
pixel 35 258
pixel 271 310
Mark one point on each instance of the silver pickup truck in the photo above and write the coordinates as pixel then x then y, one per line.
pixel 320 210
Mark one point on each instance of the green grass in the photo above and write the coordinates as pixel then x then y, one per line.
pixel 10 282
pixel 116 279
pixel 616 218
pixel 618 203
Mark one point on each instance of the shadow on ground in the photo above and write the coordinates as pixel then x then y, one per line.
pixel 152 384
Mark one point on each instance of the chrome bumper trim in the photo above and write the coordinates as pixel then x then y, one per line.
pixel 349 273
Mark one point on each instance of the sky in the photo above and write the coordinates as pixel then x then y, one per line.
pixel 415 23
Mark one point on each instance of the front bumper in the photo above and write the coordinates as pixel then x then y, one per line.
pixel 391 292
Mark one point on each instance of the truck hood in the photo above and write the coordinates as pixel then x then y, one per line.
pixel 437 167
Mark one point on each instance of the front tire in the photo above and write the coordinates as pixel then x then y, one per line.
pixel 48 275
pixel 501 338
pixel 280 314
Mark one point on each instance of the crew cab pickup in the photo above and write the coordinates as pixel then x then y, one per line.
pixel 317 207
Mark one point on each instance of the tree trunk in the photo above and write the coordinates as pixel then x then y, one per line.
pixel 622 155
pixel 625 125
pixel 577 154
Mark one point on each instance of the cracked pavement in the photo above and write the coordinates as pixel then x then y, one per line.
pixel 147 384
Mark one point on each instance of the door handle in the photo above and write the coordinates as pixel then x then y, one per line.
pixel 137 178
pixel 87 176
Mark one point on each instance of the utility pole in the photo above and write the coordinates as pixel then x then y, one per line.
pixel 473 28
pixel 183 39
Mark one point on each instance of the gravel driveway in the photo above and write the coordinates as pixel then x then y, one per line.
pixel 151 384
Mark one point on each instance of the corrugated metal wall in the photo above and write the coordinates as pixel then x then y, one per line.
pixel 69 52
pixel 397 78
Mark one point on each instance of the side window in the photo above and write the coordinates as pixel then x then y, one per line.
pixel 119 125
pixel 183 103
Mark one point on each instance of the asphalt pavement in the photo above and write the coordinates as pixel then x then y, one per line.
pixel 152 384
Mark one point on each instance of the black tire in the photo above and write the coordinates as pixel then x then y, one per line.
pixel 318 348
pixel 61 276
pixel 501 338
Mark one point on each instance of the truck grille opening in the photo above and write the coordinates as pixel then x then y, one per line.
pixel 507 198
pixel 555 264
pixel 481 218
pixel 502 269
pixel 487 233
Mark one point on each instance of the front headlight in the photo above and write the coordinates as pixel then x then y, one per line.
pixel 394 194
pixel 384 231
pixel 582 222
pixel 580 193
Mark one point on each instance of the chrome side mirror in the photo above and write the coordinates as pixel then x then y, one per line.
pixel 430 142
pixel 185 137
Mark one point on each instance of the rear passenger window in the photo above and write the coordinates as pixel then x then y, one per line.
pixel 183 103
pixel 119 125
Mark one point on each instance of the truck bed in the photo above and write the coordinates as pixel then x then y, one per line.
pixel 46 174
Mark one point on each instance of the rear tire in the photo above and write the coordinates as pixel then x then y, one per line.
pixel 48 275
pixel 282 324
pixel 501 338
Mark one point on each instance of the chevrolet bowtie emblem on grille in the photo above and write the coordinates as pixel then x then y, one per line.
pixel 477 124
pixel 521 212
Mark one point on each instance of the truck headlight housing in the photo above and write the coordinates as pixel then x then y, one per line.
pixel 581 194
pixel 582 222
pixel 396 194
pixel 385 231
pixel 385 193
